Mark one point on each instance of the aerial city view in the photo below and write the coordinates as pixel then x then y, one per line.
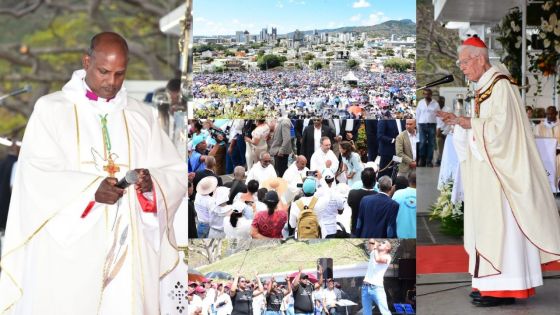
pixel 259 60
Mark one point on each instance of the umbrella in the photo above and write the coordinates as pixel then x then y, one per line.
pixel 218 275
pixel 195 275
pixel 311 276
pixel 301 104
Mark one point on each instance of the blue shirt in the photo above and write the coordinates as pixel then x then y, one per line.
pixel 406 218
pixel 195 164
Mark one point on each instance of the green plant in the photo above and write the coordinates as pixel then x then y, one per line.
pixel 510 38
pixel 450 214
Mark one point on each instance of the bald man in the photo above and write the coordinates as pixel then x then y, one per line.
pixel 76 242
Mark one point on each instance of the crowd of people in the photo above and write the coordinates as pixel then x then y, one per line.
pixel 301 178
pixel 321 93
pixel 298 293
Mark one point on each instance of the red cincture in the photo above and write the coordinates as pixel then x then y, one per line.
pixel 147 205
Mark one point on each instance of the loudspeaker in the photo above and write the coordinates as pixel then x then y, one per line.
pixel 407 268
pixel 327 264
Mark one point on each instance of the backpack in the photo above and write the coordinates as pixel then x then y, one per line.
pixel 307 223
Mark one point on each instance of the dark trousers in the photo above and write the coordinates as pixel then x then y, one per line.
pixel 238 152
pixel 427 142
pixel 280 164
pixel 383 162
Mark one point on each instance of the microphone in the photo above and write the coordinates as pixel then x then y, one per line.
pixel 446 79
pixel 130 178
pixel 26 89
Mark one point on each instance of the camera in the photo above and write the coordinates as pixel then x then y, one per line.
pixel 214 133
pixel 299 185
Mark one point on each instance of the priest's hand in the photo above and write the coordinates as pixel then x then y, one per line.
pixel 107 192
pixel 448 118
pixel 144 182
pixel 464 122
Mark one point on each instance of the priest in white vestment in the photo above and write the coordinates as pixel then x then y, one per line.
pixel 550 128
pixel 294 175
pixel 512 224
pixel 324 158
pixel 76 243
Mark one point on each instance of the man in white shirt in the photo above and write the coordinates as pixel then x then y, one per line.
pixel 426 116
pixel 373 290
pixel 294 175
pixel 309 189
pixel 324 158
pixel 204 203
pixel 333 207
pixel 262 170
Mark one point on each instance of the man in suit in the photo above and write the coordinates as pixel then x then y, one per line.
pixel 311 139
pixel 371 138
pixel 406 148
pixel 349 129
pixel 378 213
pixel 356 195
pixel 281 146
pixel 387 132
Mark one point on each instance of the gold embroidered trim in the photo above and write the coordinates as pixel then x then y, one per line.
pixel 481 97
pixel 166 228
pixel 77 135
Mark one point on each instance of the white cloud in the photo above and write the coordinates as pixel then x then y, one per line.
pixel 356 18
pixel 360 4
pixel 376 18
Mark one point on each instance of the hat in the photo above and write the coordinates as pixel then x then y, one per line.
pixel 474 41
pixel 238 206
pixel 271 197
pixel 221 195
pixel 207 185
pixel 200 289
pixel 309 186
pixel 277 184
pixel 196 140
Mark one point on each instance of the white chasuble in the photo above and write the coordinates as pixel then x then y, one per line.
pixel 111 261
pixel 510 212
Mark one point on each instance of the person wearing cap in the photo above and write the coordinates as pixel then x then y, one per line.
pixel 242 295
pixel 217 213
pixel 269 224
pixel 512 224
pixel 262 170
pixel 373 290
pixel 235 224
pixel 275 297
pixel 195 302
pixel 324 158
pixel 223 305
pixel 332 296
pixel 309 189
pixel 406 148
pixel 426 118
pixel 378 212
pixel 302 289
pixel 197 157
pixel 334 204
pixel 352 164
pixel 204 203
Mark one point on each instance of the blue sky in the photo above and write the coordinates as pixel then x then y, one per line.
pixel 224 17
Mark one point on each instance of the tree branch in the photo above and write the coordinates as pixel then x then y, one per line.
pixel 149 7
pixel 22 9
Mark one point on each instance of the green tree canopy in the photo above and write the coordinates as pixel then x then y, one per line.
pixel 398 64
pixel 352 63
pixel 270 61
pixel 317 66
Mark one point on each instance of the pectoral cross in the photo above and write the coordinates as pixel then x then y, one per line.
pixel 111 168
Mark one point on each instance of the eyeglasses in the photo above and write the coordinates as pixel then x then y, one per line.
pixel 460 63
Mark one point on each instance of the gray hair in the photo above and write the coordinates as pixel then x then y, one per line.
pixel 239 172
pixel 474 51
pixel 261 156
pixel 385 183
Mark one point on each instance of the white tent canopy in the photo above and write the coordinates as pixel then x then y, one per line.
pixel 350 77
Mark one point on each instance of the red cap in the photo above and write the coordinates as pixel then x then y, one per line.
pixel 200 289
pixel 474 41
